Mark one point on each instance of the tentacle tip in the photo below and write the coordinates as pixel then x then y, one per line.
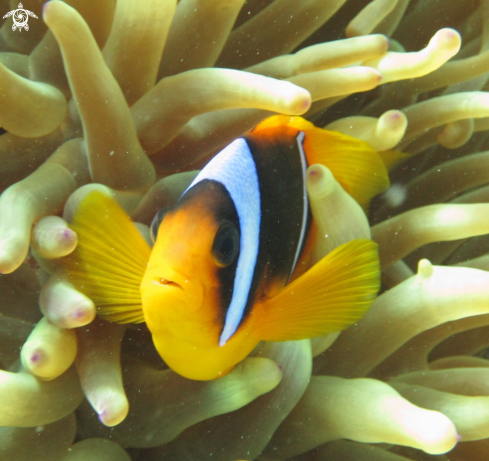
pixel 46 7
pixel 395 116
pixel 319 181
pixel 438 435
pixel 448 38
pixel 306 103
pixel 7 263
pixel 79 313
pixel 301 103
pixel 314 174
pixel 114 416
pixel 34 360
pixel 67 240
pixel 352 31
pixel 425 269
pixel 83 315
pixel 37 356
pixel 102 416
pixel 67 234
pixel 443 444
pixel 393 120
pixel 449 33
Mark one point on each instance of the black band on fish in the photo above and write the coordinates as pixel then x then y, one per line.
pixel 305 208
pixel 155 224
pixel 235 169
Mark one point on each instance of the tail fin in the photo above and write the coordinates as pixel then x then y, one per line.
pixel 110 259
pixel 355 165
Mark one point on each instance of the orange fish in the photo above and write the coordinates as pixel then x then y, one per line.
pixel 223 272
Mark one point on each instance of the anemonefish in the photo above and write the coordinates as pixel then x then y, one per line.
pixel 223 272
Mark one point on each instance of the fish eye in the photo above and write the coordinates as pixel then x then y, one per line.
pixel 155 224
pixel 226 244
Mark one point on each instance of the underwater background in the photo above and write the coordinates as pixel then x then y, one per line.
pixel 129 98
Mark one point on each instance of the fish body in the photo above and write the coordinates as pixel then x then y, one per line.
pixel 216 281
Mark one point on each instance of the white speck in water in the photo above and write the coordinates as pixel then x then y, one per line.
pixel 396 195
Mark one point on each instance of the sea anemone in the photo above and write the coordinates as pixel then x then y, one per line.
pixel 129 97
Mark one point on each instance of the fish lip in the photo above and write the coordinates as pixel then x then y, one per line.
pixel 171 281
pixel 167 282
pixel 166 277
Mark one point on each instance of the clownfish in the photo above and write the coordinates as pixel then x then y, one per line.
pixel 224 273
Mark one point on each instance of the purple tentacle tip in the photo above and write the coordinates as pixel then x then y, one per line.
pixel 44 6
pixel 102 415
pixel 36 357
pixel 314 174
pixel 79 313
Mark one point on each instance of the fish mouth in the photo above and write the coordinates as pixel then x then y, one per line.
pixel 166 278
pixel 166 282
pixel 172 284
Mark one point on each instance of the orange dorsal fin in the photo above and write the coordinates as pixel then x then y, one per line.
pixel 355 165
pixel 110 259
pixel 329 297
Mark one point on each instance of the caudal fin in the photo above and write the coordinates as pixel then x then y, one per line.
pixel 110 259
pixel 329 297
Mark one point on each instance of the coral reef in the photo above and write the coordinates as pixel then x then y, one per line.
pixel 129 98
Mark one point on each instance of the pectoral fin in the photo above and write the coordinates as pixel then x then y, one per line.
pixel 329 297
pixel 110 259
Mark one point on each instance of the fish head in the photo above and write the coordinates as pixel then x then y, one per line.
pixel 188 283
